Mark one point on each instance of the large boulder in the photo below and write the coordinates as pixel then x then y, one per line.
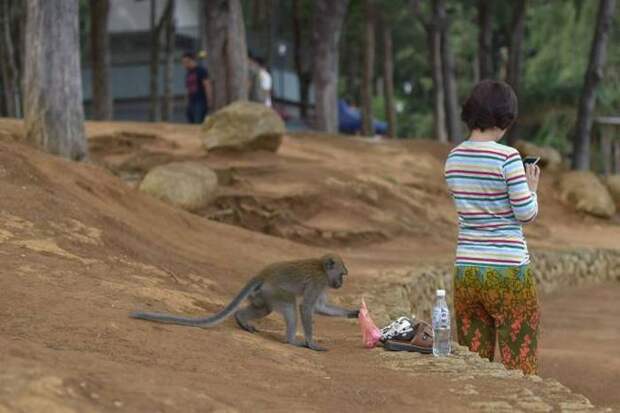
pixel 243 126
pixel 584 191
pixel 550 158
pixel 613 184
pixel 188 185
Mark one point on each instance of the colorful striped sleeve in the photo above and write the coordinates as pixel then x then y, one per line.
pixel 524 202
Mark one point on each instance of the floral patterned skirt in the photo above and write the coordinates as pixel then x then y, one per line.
pixel 500 301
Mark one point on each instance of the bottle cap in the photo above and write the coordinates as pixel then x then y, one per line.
pixel 441 293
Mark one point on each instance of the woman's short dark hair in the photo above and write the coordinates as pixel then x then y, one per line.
pixel 491 104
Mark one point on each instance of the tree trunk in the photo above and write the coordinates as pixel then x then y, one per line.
pixel 274 19
pixel 594 74
pixel 202 21
pixel 369 65
pixel 434 46
pixel 326 29
pixel 100 60
pixel 54 117
pixel 301 65
pixel 485 33
pixel 9 61
pixel 353 60
pixel 237 53
pixel 169 58
pixel 228 64
pixel 616 167
pixel 388 79
pixel 453 123
pixel 515 55
pixel 154 108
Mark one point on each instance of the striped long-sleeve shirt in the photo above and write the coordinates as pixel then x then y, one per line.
pixel 493 200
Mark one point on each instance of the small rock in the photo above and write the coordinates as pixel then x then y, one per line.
pixel 584 191
pixel 613 184
pixel 550 158
pixel 188 185
pixel 243 126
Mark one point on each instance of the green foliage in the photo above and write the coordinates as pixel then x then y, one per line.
pixel 559 39
pixel 557 43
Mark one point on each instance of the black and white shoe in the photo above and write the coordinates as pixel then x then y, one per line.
pixel 400 329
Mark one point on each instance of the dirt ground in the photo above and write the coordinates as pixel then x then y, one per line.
pixel 81 248
pixel 580 339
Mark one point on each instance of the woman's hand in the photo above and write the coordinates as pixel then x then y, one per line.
pixel 532 173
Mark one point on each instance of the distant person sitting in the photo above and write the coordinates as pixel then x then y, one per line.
pixel 350 120
pixel 198 88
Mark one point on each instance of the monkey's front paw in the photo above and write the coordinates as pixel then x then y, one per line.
pixel 353 314
pixel 315 347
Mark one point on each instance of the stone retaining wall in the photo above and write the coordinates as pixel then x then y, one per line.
pixel 486 386
pixel 412 291
pixel 489 387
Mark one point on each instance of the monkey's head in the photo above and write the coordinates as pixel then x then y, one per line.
pixel 335 270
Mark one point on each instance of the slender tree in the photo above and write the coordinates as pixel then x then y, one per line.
pixel 515 55
pixel 100 59
pixel 326 29
pixel 453 122
pixel 169 59
pixel 301 56
pixel 369 65
pixel 228 64
pixel 154 106
pixel 485 37
pixel 432 26
pixel 9 58
pixel 388 77
pixel 274 20
pixel 158 26
pixel 54 118
pixel 202 22
pixel 593 76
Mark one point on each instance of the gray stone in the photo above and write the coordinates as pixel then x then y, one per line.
pixel 243 126
pixel 613 184
pixel 188 185
pixel 584 191
pixel 550 158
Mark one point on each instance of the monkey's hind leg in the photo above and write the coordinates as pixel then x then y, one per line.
pixel 251 312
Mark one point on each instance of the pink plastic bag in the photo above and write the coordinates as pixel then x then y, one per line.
pixel 370 332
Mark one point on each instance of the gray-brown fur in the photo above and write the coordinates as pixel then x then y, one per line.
pixel 280 287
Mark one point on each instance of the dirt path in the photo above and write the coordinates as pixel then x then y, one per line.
pixel 580 340
pixel 80 249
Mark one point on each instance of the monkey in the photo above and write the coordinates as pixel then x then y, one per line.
pixel 279 287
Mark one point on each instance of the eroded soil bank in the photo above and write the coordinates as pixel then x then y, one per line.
pixel 81 248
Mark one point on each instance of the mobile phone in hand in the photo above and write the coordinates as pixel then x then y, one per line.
pixel 532 160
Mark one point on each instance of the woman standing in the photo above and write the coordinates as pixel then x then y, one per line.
pixel 494 288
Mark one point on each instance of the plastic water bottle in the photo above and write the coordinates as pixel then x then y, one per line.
pixel 442 344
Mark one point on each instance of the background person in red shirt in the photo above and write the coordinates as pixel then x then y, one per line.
pixel 198 88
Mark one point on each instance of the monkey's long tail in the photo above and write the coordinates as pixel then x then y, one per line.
pixel 210 321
